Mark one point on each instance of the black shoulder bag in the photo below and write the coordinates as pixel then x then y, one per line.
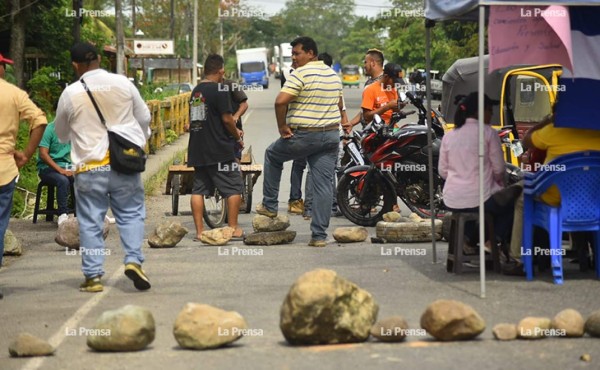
pixel 125 156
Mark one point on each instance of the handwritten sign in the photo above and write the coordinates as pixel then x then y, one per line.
pixel 529 35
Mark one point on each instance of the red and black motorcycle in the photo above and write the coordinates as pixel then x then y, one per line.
pixel 396 165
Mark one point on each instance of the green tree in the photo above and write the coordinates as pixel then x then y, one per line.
pixel 326 22
pixel 364 35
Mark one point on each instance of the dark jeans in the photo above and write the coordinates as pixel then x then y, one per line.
pixel 63 187
pixel 6 200
pixel 503 220
pixel 298 167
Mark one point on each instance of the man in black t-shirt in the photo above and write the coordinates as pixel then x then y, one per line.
pixel 239 105
pixel 213 134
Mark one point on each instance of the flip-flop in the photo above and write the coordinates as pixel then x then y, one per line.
pixel 197 240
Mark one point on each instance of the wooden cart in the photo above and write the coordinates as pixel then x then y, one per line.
pixel 180 182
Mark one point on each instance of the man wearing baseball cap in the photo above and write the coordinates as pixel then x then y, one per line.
pixel 15 106
pixel 97 186
pixel 382 98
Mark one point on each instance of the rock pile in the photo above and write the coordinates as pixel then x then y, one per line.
pixel 12 245
pixel 27 345
pixel 219 236
pixel 324 308
pixel 350 234
pixel 129 328
pixel 67 234
pixel 200 326
pixel 450 320
pixel 167 235
pixel 270 231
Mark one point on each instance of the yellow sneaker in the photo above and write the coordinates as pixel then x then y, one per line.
pixel 135 273
pixel 296 207
pixel 91 285
pixel 317 243
pixel 262 210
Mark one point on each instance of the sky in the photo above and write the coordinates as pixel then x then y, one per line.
pixel 368 8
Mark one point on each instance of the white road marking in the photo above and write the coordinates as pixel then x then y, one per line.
pixel 58 337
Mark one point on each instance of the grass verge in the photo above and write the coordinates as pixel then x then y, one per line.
pixel 158 179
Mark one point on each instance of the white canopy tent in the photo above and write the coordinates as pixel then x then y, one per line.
pixel 444 10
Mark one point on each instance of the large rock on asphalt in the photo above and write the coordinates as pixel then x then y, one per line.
pixel 12 245
pixel 270 238
pixel 350 234
pixel 449 320
pixel 324 308
pixel 534 327
pixel 405 232
pixel 200 326
pixel 220 236
pixel 27 345
pixel 262 223
pixel 570 322
pixel 505 331
pixel 67 234
pixel 129 328
pixel 167 235
pixel 592 324
pixel 391 329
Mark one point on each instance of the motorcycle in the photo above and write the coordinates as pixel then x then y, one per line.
pixel 395 165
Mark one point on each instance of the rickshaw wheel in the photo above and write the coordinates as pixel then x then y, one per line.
pixel 215 210
pixel 247 193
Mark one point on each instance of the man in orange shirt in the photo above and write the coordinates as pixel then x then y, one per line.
pixel 381 98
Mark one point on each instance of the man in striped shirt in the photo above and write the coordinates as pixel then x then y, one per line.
pixel 308 111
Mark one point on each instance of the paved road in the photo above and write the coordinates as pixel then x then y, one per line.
pixel 41 296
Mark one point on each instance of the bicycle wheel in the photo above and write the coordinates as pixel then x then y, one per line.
pixel 215 210
pixel 175 188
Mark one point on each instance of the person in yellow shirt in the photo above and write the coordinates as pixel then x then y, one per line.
pixel 556 141
pixel 15 106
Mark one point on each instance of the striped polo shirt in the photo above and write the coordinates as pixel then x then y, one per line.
pixel 317 89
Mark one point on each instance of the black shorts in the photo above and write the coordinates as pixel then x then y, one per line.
pixel 224 176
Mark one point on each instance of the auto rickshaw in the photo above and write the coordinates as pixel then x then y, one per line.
pixel 350 76
pixel 526 93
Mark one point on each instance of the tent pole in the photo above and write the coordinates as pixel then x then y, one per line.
pixel 428 25
pixel 480 108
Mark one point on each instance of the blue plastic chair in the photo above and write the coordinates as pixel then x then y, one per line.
pixel 577 177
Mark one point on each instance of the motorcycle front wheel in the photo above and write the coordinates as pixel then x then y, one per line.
pixel 378 198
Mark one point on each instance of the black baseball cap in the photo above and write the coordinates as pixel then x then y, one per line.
pixel 392 69
pixel 83 52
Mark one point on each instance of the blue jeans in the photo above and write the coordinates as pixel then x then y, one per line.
pixel 320 150
pixel 6 201
pixel 97 190
pixel 298 167
pixel 63 187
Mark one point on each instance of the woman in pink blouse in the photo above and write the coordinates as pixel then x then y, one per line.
pixel 459 166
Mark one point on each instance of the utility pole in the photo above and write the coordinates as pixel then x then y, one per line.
pixel 195 46
pixel 120 38
pixel 133 17
pixel 77 5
